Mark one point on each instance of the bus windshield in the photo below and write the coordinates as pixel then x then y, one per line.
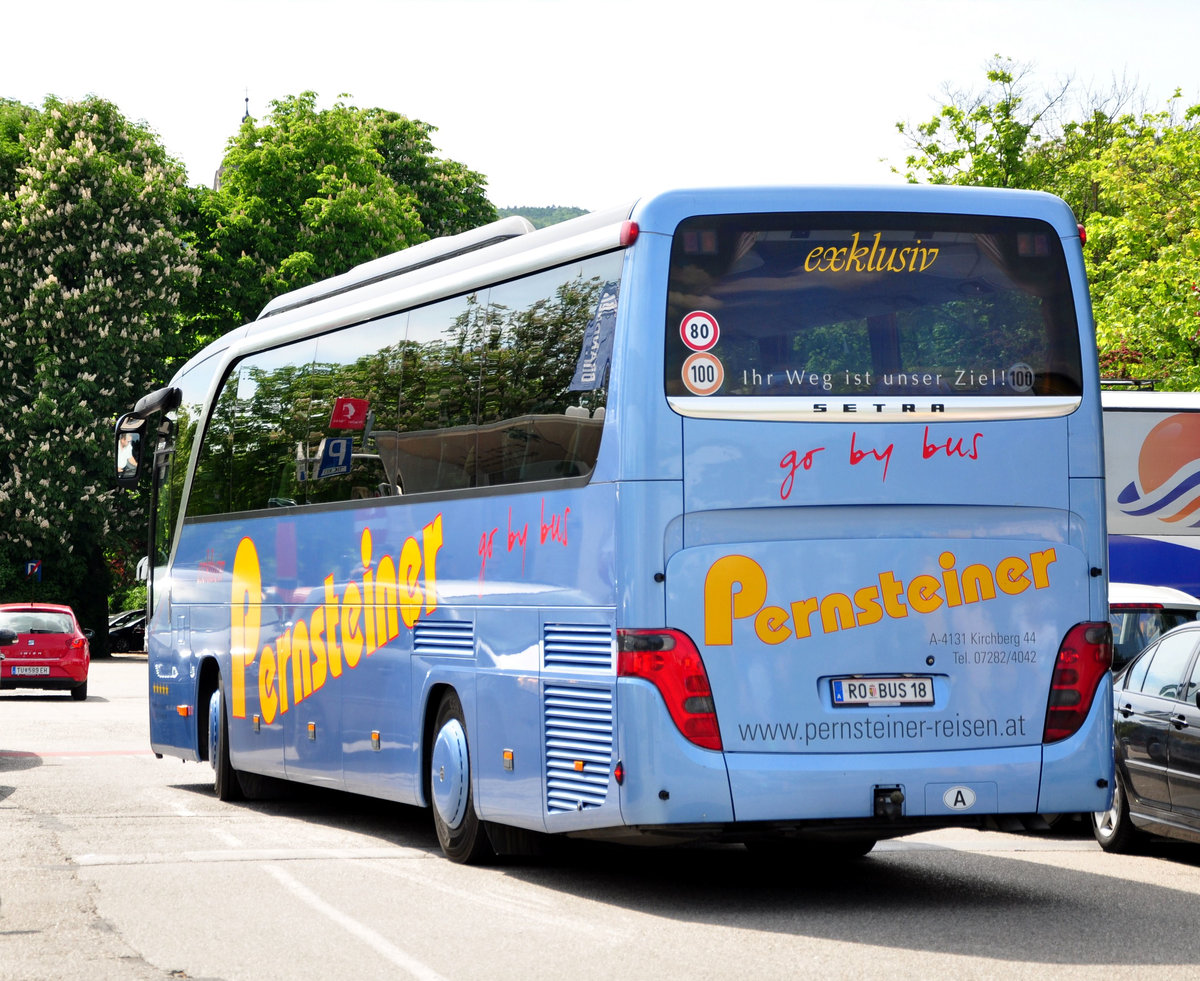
pixel 870 304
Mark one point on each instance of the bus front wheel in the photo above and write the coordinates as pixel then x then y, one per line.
pixel 459 830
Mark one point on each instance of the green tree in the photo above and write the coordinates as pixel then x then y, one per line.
pixel 311 193
pixel 448 196
pixel 14 119
pixel 1131 177
pixel 1143 250
pixel 543 217
pixel 93 263
pixel 989 138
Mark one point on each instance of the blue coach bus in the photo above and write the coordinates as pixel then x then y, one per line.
pixel 760 515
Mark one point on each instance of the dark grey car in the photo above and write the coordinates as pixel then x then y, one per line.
pixel 1156 737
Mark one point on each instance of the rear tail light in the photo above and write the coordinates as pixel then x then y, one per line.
pixel 1084 657
pixel 669 660
pixel 77 643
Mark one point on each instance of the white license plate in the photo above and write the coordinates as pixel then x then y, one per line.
pixel 28 669
pixel 909 690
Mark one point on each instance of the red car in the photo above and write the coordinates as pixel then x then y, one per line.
pixel 43 647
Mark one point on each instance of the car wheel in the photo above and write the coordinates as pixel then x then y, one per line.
pixel 79 692
pixel 1112 828
pixel 459 830
pixel 225 782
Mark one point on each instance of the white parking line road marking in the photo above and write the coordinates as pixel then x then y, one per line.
pixel 368 936
pixel 235 855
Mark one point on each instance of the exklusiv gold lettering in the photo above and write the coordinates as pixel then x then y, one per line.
pixel 859 257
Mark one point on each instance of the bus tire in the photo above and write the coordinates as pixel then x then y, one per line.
pixel 510 842
pixel 1112 828
pixel 459 830
pixel 225 781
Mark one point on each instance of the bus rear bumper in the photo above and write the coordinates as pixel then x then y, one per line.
pixel 955 786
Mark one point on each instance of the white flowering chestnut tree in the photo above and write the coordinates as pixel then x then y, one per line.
pixel 93 263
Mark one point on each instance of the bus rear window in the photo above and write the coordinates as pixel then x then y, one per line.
pixel 870 304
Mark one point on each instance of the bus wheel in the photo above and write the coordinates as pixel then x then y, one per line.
pixel 1112 828
pixel 458 827
pixel 225 782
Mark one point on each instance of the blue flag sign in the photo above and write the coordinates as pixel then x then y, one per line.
pixel 591 370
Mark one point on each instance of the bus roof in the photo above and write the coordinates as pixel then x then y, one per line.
pixel 511 247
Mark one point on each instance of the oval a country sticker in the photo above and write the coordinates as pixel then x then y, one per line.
pixel 959 798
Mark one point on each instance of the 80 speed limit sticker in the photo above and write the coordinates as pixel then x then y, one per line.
pixel 699 330
pixel 703 373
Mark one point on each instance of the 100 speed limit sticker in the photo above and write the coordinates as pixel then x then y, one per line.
pixel 703 372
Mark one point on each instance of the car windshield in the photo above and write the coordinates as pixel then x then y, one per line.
pixel 1136 627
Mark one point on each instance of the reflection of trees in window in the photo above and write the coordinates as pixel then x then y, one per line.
pixel 442 381
pixel 531 353
pixel 272 418
pixel 834 299
pixel 174 453
pixel 210 489
pixel 441 365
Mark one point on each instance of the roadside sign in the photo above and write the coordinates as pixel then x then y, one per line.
pixel 334 456
pixel 349 413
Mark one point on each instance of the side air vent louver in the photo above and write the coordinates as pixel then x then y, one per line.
pixel 575 645
pixel 579 739
pixel 444 638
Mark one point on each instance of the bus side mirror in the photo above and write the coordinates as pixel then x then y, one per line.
pixel 130 433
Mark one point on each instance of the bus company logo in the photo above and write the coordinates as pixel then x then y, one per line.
pixel 1168 473
pixel 355 619
pixel 736 588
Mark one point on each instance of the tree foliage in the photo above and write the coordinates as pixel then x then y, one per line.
pixel 1131 176
pixel 542 217
pixel 112 270
pixel 93 262
pixel 310 193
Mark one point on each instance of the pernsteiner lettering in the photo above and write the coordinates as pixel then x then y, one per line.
pixel 343 629
pixel 736 588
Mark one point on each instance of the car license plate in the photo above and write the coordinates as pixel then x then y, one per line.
pixel 909 690
pixel 28 669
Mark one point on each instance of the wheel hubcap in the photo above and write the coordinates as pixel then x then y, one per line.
pixel 1107 821
pixel 451 775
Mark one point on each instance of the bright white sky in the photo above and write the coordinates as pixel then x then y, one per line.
pixel 591 103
